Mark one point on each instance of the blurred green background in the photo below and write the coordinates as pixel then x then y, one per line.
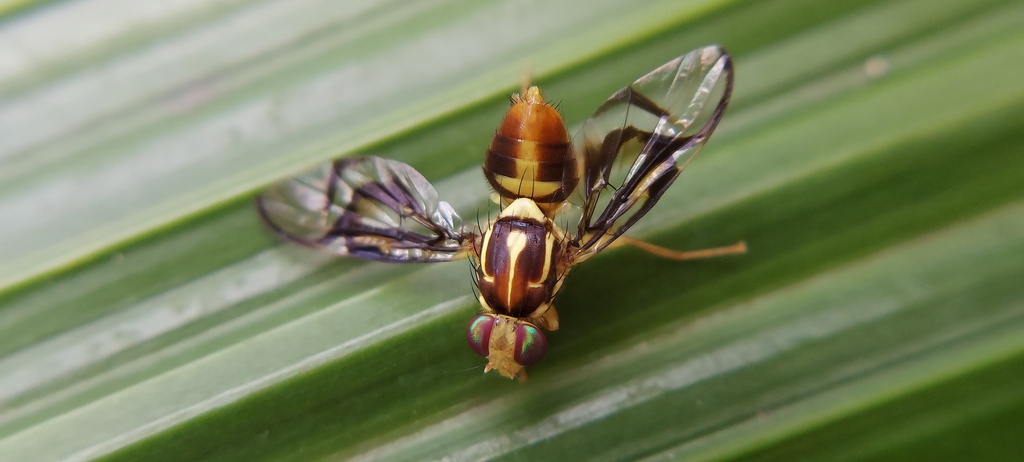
pixel 871 158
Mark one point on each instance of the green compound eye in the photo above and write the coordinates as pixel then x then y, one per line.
pixel 478 334
pixel 530 345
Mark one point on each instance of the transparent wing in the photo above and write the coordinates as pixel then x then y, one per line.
pixel 637 142
pixel 366 207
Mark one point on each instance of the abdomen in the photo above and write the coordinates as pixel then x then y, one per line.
pixel 531 155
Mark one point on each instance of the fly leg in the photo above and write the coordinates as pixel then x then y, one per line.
pixel 737 248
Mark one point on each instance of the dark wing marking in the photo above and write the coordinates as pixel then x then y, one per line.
pixel 654 127
pixel 366 207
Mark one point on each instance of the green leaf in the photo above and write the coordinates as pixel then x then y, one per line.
pixel 870 159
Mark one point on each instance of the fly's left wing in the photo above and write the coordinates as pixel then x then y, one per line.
pixel 637 142
pixel 366 207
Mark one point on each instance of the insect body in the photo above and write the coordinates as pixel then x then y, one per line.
pixel 621 162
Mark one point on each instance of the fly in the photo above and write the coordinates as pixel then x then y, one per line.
pixel 611 173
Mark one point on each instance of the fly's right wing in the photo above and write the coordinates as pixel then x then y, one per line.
pixel 636 144
pixel 366 207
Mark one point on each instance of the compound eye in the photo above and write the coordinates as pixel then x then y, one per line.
pixel 478 334
pixel 530 345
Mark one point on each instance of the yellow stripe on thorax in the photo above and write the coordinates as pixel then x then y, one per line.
pixel 549 244
pixel 516 243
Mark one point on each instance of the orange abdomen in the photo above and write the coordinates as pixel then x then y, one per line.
pixel 531 155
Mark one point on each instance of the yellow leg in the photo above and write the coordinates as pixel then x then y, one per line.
pixel 734 249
